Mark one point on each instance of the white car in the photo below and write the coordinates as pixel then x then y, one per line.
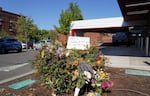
pixel 23 45
pixel 40 44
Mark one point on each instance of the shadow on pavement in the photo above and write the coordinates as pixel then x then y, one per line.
pixel 122 51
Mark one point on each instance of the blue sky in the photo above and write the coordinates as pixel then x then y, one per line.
pixel 45 13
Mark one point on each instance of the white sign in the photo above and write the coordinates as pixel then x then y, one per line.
pixel 75 42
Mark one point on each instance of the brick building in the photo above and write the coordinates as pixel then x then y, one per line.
pixel 7 22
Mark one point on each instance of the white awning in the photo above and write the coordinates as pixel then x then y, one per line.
pixel 98 23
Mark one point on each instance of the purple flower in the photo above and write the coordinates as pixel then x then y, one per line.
pixel 92 81
pixel 59 51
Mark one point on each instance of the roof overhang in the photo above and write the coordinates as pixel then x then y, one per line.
pixel 134 10
pixel 135 17
pixel 111 24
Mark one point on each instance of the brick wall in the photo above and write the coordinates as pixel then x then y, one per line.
pixel 107 38
pixel 94 38
pixel 7 22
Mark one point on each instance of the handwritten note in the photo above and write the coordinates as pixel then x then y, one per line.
pixel 75 42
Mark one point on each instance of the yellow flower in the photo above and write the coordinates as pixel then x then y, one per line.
pixel 102 75
pixel 75 63
pixel 42 54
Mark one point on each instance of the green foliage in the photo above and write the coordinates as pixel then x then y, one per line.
pixel 24 24
pixel 20 37
pixel 43 34
pixel 70 14
pixel 54 72
pixel 27 30
pixel 32 33
pixel 53 35
pixel 4 34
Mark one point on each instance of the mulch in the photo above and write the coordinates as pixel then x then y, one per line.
pixel 124 85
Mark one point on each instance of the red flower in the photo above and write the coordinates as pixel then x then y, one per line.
pixel 98 57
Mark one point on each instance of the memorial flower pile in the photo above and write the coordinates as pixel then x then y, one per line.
pixel 68 70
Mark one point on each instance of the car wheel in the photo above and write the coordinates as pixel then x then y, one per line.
pixel 19 50
pixel 3 50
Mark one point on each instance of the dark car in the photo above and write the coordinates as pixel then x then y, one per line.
pixel 9 44
pixel 120 38
pixel 30 45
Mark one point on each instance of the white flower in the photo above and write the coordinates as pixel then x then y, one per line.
pixel 67 54
pixel 91 94
pixel 94 71
pixel 87 74
pixel 53 94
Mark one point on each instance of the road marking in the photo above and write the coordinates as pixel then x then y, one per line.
pixel 13 67
pixel 16 77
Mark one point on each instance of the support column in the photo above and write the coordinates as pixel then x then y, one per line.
pixel 72 32
pixel 147 46
pixel 141 43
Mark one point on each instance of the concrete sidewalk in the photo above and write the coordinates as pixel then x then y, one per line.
pixel 141 63
pixel 126 57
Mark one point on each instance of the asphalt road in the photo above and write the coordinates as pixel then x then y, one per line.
pixel 14 65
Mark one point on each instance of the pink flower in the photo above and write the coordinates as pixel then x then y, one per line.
pixel 106 84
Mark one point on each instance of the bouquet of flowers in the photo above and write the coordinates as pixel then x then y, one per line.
pixel 64 70
pixel 94 75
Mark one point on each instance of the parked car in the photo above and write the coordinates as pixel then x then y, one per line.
pixel 23 45
pixel 30 45
pixel 8 44
pixel 120 38
pixel 41 43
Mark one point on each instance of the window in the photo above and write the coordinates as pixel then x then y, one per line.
pixel 1 27
pixel 1 18
pixel 11 20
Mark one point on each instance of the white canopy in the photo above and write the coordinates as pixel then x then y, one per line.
pixel 104 23
pixel 98 23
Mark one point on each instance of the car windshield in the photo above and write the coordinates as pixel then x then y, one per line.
pixel 42 42
pixel 11 40
pixel 48 41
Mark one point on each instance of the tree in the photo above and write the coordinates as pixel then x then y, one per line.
pixel 43 34
pixel 23 26
pixel 71 14
pixel 3 34
pixel 53 35
pixel 33 32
